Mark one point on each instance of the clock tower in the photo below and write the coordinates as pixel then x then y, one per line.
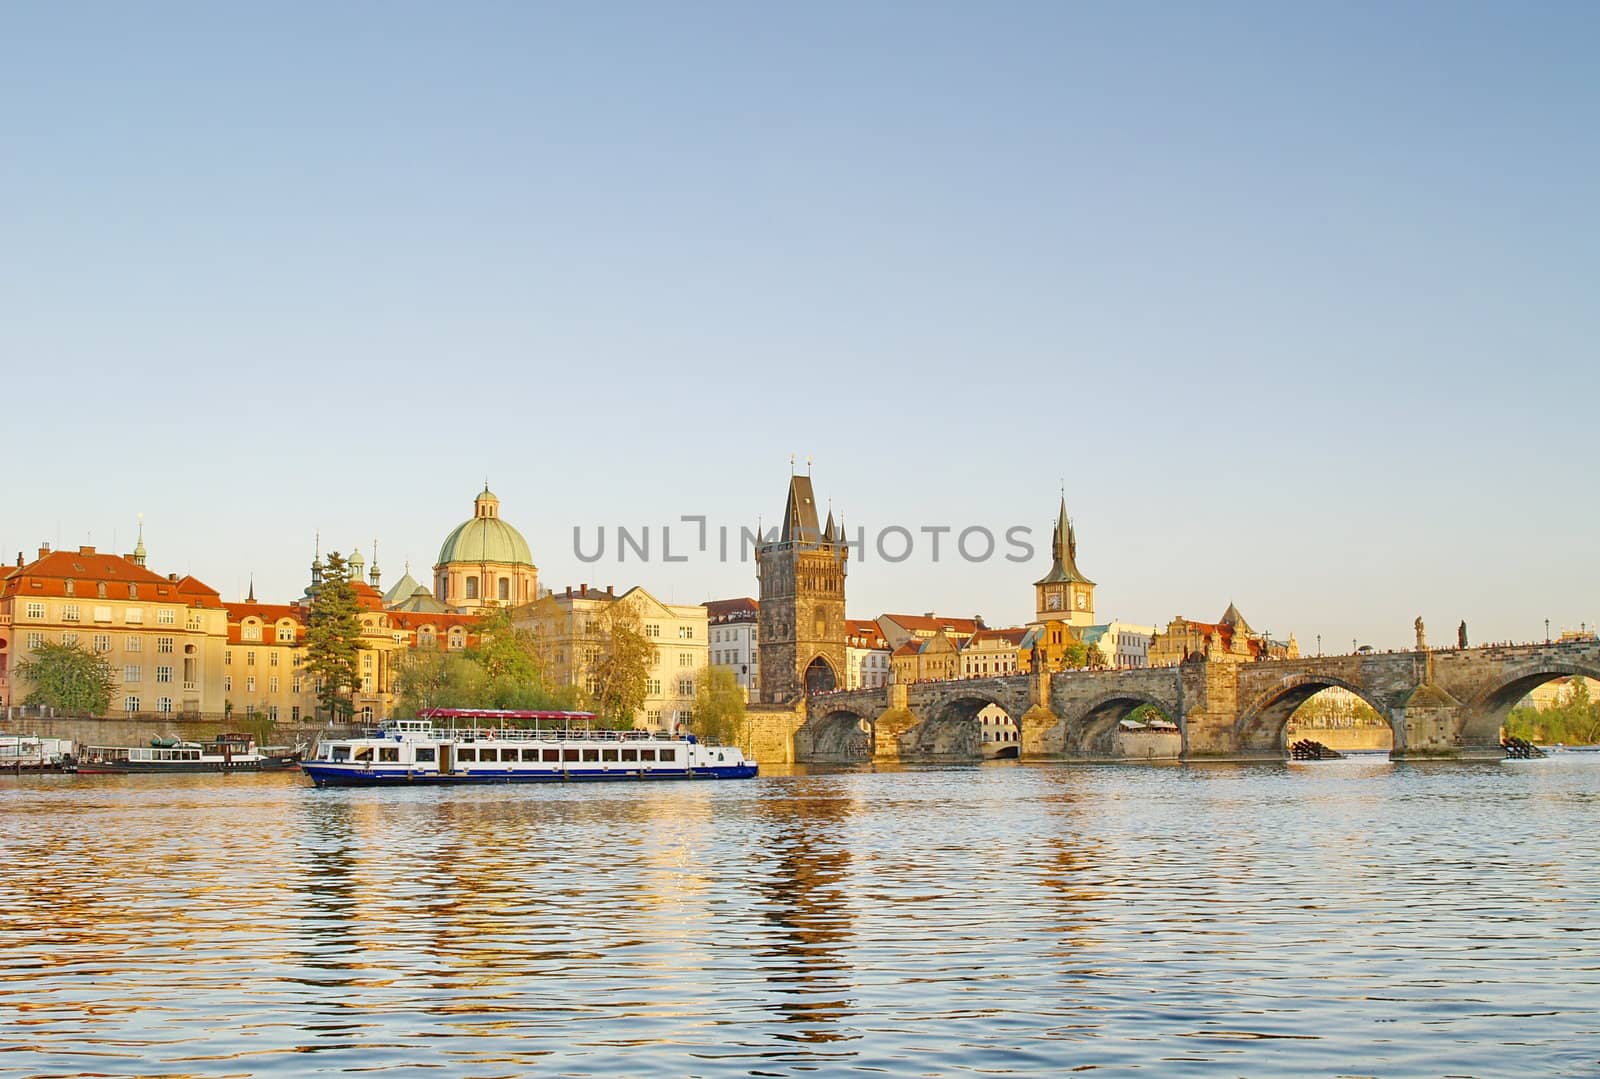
pixel 1064 594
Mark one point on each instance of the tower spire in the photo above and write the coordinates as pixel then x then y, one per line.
pixel 251 598
pixel 139 553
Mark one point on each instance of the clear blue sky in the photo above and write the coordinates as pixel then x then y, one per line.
pixel 1299 302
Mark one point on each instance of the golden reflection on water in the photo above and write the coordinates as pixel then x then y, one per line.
pixel 1002 918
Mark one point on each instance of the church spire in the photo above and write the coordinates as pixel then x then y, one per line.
pixel 251 598
pixel 139 553
pixel 1064 552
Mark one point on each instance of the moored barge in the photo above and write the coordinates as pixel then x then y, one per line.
pixel 227 753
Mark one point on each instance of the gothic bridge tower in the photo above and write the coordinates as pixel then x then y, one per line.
pixel 801 574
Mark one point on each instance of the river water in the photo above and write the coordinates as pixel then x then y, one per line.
pixel 1339 918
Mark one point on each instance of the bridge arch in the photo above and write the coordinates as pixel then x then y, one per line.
pixel 953 729
pixel 1485 714
pixel 1091 730
pixel 1261 723
pixel 841 736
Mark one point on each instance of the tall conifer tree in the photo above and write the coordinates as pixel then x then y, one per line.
pixel 333 637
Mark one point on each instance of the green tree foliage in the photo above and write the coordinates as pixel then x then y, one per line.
pixel 1572 719
pixel 1147 713
pixel 719 707
pixel 1093 657
pixel 68 678
pixel 503 671
pixel 1074 655
pixel 620 675
pixel 333 636
pixel 1326 710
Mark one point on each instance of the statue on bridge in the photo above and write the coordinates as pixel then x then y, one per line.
pixel 1422 637
pixel 1461 634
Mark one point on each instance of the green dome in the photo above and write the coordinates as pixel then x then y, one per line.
pixel 485 539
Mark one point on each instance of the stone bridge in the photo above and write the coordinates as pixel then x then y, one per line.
pixel 1439 704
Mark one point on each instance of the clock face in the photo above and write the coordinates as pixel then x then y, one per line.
pixel 1083 601
pixel 1053 601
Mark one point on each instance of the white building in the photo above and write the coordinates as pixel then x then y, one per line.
pixel 731 624
pixel 866 655
pixel 571 628
pixel 1122 644
pixel 990 653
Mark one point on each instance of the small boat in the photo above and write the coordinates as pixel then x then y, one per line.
pixel 482 746
pixel 226 753
pixel 34 753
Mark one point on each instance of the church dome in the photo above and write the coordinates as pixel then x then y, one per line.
pixel 485 538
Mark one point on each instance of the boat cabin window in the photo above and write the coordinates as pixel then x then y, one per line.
pixel 363 753
pixel 592 755
pixel 569 754
pixel 549 755
pixel 390 754
pixel 647 754
pixel 608 754
pixel 339 753
pixel 465 754
pixel 508 754
pixel 428 754
pixel 530 754
pixel 669 755
pixel 630 754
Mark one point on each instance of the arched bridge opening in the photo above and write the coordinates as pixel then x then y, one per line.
pixel 1548 717
pixel 1267 726
pixel 841 737
pixel 966 728
pixel 1339 720
pixel 1120 726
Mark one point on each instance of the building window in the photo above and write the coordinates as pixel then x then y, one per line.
pixel 166 617
pixel 294 714
pixel 132 673
pixel 164 705
pixel 686 687
pixel 272 684
pixel 652 630
pixel 285 634
pixel 250 632
pixel 686 659
pixel 250 684
pixel 69 612
pixel 133 616
pixel 102 614
pixel 505 588
pixel 130 704
pixel 133 643
pixel 294 687
pixel 472 588
pixel 163 644
pixel 653 687
pixel 366 661
pixel 686 633
pixel 249 659
pixel 163 674
pixel 35 641
pixel 653 717
pixel 272 659
pixel 72 588
pixel 102 642
pixel 227 683
pixel 70 640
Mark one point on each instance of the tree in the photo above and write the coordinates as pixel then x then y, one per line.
pixel 333 639
pixel 1093 657
pixel 438 680
pixel 1573 718
pixel 719 706
pixel 68 678
pixel 1074 655
pixel 620 674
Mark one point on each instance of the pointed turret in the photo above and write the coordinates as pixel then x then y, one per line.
pixel 1232 617
pixel 374 574
pixel 251 598
pixel 139 553
pixel 827 529
pixel 316 563
pixel 1064 548
pixel 800 515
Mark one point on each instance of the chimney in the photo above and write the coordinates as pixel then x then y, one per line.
pixel 44 549
pixel 583 589
pixel 86 550
pixel 929 614
pixel 19 559
pixel 977 620
pixel 569 591
pixel 611 590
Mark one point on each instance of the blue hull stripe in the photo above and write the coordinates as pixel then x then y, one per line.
pixel 325 775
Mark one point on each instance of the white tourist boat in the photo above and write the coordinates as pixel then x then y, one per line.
pixel 455 746
pixel 33 753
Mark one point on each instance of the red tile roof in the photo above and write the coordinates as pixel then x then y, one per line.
pixel 88 569
pixel 743 609
pixel 917 623
pixel 1011 637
